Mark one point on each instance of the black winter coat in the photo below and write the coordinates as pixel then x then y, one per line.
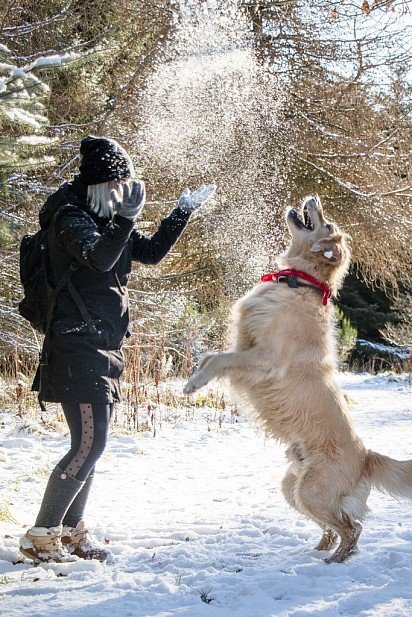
pixel 83 364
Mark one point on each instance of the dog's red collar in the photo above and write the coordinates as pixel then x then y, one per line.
pixel 291 273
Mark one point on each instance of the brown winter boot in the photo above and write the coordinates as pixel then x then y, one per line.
pixel 78 542
pixel 42 544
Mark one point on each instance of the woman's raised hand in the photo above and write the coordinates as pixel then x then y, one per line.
pixel 132 202
pixel 188 202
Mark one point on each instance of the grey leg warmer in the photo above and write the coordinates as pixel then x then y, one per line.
pixel 60 492
pixel 75 513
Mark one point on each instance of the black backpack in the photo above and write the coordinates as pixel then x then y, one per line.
pixel 39 301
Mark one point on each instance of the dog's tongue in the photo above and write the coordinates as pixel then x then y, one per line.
pixel 307 219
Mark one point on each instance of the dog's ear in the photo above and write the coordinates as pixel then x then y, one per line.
pixel 329 247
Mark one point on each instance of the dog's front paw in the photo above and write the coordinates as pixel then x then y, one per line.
pixel 196 381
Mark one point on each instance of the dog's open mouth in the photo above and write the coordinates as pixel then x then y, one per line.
pixel 306 223
pixel 307 219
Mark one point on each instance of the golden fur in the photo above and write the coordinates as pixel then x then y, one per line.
pixel 283 365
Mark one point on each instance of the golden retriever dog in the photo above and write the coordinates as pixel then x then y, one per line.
pixel 283 365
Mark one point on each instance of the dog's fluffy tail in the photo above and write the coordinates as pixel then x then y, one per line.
pixel 388 475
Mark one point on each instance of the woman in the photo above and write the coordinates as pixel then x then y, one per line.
pixel 91 245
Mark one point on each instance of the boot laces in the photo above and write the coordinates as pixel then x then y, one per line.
pixel 79 535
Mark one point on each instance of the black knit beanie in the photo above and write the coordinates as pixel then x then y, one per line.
pixel 103 160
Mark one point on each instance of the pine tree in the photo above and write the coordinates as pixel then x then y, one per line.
pixel 381 320
pixel 368 309
pixel 23 117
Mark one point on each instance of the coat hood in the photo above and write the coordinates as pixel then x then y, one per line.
pixel 74 193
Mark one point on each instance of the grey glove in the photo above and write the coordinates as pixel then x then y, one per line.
pixel 134 197
pixel 188 202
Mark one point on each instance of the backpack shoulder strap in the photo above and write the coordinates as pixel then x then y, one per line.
pixel 80 305
pixel 66 280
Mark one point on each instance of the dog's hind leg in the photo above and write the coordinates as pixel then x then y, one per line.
pixel 317 497
pixel 349 531
pixel 329 537
pixel 353 509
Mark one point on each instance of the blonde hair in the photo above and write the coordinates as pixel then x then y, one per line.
pixel 99 197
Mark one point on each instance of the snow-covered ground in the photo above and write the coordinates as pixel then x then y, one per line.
pixel 198 526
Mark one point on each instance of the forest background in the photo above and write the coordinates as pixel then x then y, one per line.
pixel 271 100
